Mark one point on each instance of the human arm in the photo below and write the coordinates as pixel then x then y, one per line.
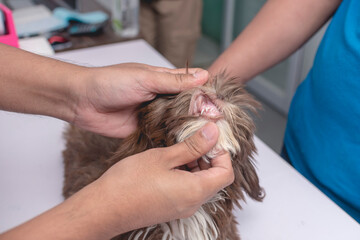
pixel 279 29
pixel 138 191
pixel 98 99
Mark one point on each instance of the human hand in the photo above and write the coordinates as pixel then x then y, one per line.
pixel 141 190
pixel 148 188
pixel 108 97
pixel 98 99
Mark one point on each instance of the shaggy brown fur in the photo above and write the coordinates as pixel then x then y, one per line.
pixel 88 156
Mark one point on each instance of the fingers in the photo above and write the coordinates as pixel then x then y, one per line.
pixel 174 81
pixel 165 70
pixel 162 80
pixel 220 175
pixel 177 70
pixel 193 147
pixel 204 165
pixel 198 165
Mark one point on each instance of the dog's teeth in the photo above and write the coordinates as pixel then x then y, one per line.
pixel 207 110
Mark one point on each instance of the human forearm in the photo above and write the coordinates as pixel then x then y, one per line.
pixel 278 30
pixel 83 216
pixel 31 83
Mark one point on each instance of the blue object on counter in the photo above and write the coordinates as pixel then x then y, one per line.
pixel 88 18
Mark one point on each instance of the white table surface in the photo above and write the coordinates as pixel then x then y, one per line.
pixel 31 171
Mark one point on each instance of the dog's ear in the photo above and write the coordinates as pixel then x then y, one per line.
pixel 246 181
pixel 149 134
pixel 152 118
pixel 133 144
pixel 249 180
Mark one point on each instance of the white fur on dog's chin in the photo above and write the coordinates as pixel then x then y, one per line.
pixel 226 141
pixel 199 226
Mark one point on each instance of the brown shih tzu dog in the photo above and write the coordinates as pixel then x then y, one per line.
pixel 166 120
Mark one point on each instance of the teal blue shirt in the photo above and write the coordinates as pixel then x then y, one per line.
pixel 323 133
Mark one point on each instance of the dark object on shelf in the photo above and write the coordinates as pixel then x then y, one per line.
pixel 81 29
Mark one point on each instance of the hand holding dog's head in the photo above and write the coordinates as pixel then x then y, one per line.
pixel 174 118
pixel 170 124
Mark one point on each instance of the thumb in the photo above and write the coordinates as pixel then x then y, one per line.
pixel 193 147
pixel 177 81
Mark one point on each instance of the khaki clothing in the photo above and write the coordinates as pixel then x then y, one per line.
pixel 172 27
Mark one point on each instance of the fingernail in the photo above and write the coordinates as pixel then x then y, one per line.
pixel 209 131
pixel 201 74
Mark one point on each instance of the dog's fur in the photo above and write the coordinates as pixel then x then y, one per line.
pixel 163 122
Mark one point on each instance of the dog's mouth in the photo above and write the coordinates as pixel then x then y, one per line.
pixel 205 105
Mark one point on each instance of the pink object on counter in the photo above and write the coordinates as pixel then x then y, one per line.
pixel 10 38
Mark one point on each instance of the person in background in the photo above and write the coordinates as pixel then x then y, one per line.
pixel 104 100
pixel 172 27
pixel 322 139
